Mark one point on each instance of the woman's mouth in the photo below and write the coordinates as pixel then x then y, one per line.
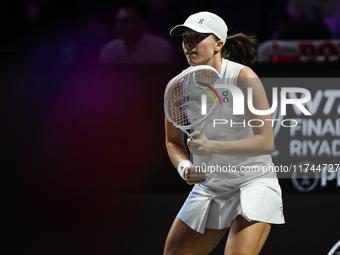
pixel 191 52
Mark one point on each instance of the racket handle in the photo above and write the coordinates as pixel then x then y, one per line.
pixel 198 162
pixel 185 132
pixel 206 169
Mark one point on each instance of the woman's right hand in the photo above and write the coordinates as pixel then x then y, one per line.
pixel 195 175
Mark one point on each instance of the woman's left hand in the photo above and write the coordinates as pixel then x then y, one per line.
pixel 199 147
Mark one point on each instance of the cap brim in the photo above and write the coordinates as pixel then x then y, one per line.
pixel 178 30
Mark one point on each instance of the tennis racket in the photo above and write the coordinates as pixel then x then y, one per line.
pixel 190 99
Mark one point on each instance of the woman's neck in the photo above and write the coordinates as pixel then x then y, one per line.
pixel 216 63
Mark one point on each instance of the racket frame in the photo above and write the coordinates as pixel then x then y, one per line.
pixel 178 79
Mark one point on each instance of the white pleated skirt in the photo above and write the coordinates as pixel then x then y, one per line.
pixel 258 200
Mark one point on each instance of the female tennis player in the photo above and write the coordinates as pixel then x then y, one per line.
pixel 245 202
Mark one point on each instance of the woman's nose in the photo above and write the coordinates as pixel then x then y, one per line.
pixel 188 44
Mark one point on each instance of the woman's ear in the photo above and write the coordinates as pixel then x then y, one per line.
pixel 219 45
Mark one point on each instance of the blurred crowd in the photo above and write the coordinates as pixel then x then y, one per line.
pixel 309 20
pixel 114 31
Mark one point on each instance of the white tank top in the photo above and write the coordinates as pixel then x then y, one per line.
pixel 229 170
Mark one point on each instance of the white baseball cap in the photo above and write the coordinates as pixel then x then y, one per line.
pixel 204 22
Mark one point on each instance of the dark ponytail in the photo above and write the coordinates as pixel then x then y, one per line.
pixel 240 48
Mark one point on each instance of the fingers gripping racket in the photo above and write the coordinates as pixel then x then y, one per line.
pixel 190 98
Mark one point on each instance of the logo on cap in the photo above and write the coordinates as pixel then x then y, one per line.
pixel 201 21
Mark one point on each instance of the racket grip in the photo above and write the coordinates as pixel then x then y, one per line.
pixel 198 162
pixel 206 169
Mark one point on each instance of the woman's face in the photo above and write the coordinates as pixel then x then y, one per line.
pixel 199 48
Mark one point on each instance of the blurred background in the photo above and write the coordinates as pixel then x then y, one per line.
pixel 84 166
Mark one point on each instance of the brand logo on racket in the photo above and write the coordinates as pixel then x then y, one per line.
pixel 204 98
pixel 189 98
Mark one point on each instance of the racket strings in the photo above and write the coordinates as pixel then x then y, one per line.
pixel 176 108
pixel 205 77
pixel 185 100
